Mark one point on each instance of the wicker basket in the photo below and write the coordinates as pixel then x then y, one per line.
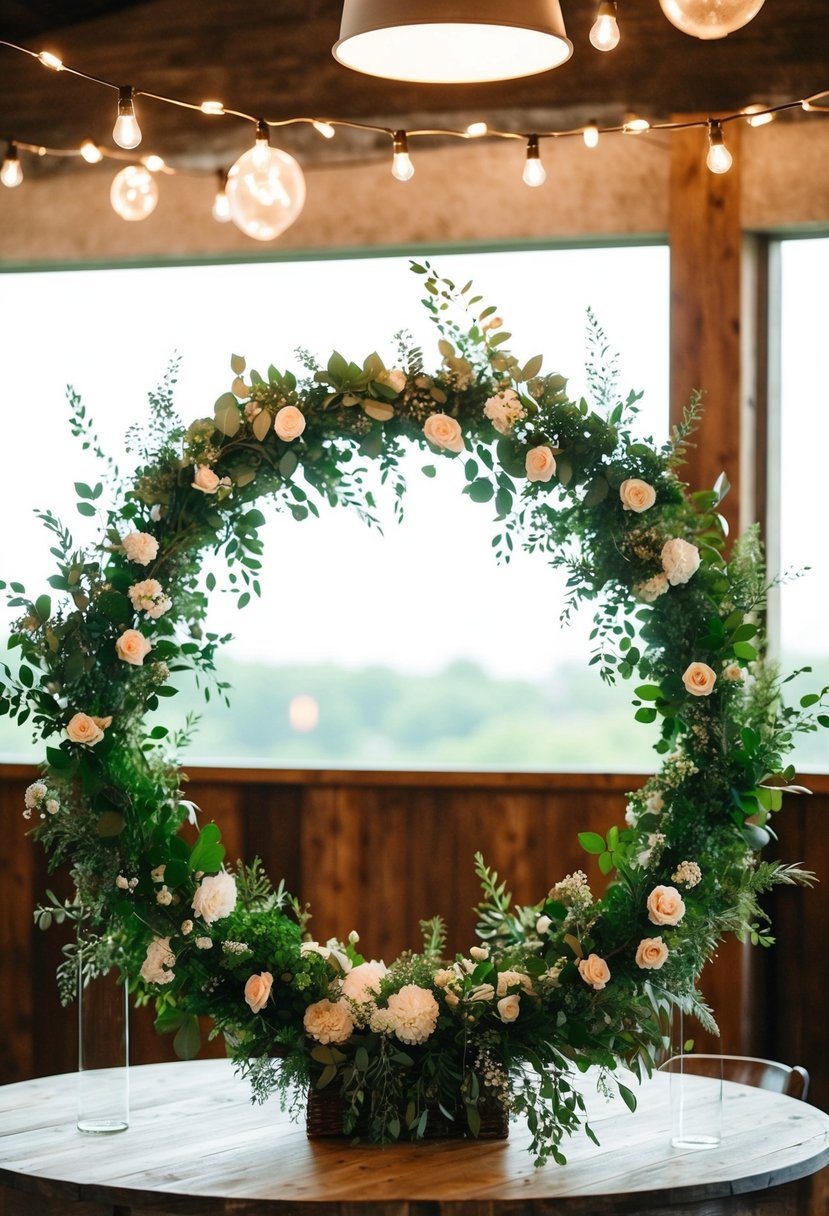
pixel 324 1118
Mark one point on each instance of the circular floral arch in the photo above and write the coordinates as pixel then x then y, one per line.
pixel 570 982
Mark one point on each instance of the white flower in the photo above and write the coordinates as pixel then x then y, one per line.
pixel 157 875
pixel 542 925
pixel 482 992
pixel 34 795
pixel 215 897
pixel 314 948
pixel 164 897
pixel 680 560
pixel 415 1012
pixel 363 982
pixel 187 928
pixel 52 806
pixel 479 953
pixel 122 883
pixel 148 597
pixel 203 943
pixel 444 977
pixel 157 966
pixel 651 589
pixel 140 547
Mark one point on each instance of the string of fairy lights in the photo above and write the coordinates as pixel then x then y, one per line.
pixel 263 192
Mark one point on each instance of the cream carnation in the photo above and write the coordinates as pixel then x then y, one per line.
pixel 594 971
pixel 636 495
pixel 540 463
pixel 132 647
pixel 699 679
pixel 157 966
pixel 363 981
pixel 140 547
pixel 680 560
pixel 328 1021
pixel 206 480
pixel 215 897
pixel 289 423
pixel 444 432
pixel 257 991
pixel 509 1007
pixel 148 597
pixel 81 728
pixel 34 795
pixel 665 906
pixel 415 1013
pixel 651 953
pixel 651 589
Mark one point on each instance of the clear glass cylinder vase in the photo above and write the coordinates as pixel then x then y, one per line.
pixel 695 1094
pixel 103 1053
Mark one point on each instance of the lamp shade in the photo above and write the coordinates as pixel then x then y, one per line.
pixel 452 42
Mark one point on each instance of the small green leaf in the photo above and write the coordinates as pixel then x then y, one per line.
pixel 481 490
pixel 627 1096
pixel 591 842
pixel 85 508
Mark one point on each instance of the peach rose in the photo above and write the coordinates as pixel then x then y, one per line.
pixel 594 971
pixel 699 679
pixel 81 728
pixel 665 906
pixel 636 495
pixel 651 953
pixel 328 1021
pixel 289 423
pixel 140 547
pixel 540 463
pixel 680 560
pixel 257 991
pixel 132 647
pixel 207 481
pixel 509 1007
pixel 732 672
pixel 444 432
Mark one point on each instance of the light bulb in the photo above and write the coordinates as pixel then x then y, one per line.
pixel 212 107
pixel 635 126
pixel 534 172
pixel 604 33
pixel 719 158
pixel 91 153
pixel 221 203
pixel 126 132
pixel 323 128
pixel 758 116
pixel 265 189
pixel 133 193
pixel 51 61
pixel 710 18
pixel 590 134
pixel 154 163
pixel 476 129
pixel 401 163
pixel 11 174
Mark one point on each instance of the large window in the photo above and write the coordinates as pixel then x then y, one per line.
pixel 408 649
pixel 800 441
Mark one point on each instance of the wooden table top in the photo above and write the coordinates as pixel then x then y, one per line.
pixel 196 1144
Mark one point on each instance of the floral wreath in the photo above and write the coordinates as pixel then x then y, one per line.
pixel 571 982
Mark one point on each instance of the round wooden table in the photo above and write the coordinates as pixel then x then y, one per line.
pixel 197 1146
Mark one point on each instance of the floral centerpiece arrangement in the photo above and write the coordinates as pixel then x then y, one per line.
pixel 574 981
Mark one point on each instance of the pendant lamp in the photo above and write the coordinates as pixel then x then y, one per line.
pixel 709 19
pixel 452 41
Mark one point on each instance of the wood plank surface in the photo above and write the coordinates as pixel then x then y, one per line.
pixel 196 1144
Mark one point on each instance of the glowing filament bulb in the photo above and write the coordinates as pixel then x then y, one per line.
pixel 604 33
pixel 221 203
pixel 476 129
pixel 212 107
pixel 591 135
pixel 91 153
pixel 126 132
pixel 51 61
pixel 719 158
pixel 534 172
pixel 401 164
pixel 323 128
pixel 758 116
pixel 11 174
pixel 635 126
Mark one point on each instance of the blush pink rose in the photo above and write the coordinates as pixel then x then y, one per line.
pixel 594 971
pixel 289 423
pixel 680 560
pixel 636 495
pixel 132 647
pixel 540 463
pixel 665 906
pixel 444 432
pixel 206 480
pixel 699 679
pixel 82 728
pixel 140 547
pixel 509 1007
pixel 651 953
pixel 257 991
